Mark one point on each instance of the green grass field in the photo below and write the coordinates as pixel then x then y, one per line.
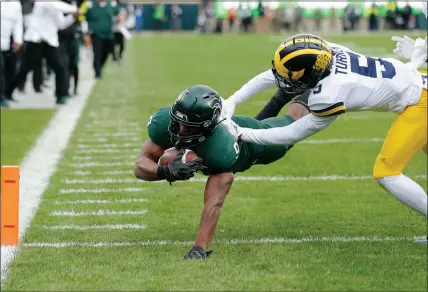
pixel 19 130
pixel 331 235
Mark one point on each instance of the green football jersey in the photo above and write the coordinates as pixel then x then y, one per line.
pixel 221 151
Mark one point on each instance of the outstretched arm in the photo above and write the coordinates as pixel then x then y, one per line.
pixel 258 84
pixel 216 189
pixel 289 135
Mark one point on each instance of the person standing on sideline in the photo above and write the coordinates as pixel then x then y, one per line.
pixel 68 51
pixel 42 41
pixel 11 27
pixel 176 13
pixel 119 38
pixel 99 18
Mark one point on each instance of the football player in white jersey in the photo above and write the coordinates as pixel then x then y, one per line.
pixel 414 50
pixel 342 80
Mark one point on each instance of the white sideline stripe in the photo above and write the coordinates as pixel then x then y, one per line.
pixel 227 242
pixel 40 163
pixel 97 213
pixel 121 201
pixel 96 158
pixel 82 140
pixel 101 190
pixel 238 178
pixel 89 227
pixel 97 151
pixel 100 164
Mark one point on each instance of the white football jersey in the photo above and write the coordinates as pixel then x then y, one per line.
pixel 359 82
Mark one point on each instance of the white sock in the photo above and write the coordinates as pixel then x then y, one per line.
pixel 407 191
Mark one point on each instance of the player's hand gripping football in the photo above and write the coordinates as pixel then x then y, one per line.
pixel 178 170
pixel 197 253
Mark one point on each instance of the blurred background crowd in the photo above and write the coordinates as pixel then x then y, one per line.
pixel 45 37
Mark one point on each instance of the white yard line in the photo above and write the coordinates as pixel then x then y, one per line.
pixel 238 178
pixel 100 190
pixel 118 201
pixel 100 164
pixel 227 242
pixel 82 140
pixel 97 213
pixel 106 145
pixel 110 124
pixel 107 172
pixel 345 140
pixel 131 147
pixel 101 158
pixel 325 141
pixel 41 161
pixel 109 151
pixel 94 227
pixel 120 134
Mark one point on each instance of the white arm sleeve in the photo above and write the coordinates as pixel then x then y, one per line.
pixel 289 135
pixel 258 84
pixel 63 7
pixel 18 29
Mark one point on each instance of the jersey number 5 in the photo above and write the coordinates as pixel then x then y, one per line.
pixel 388 70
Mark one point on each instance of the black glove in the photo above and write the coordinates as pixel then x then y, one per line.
pixel 177 170
pixel 197 253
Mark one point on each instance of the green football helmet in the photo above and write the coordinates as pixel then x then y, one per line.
pixel 194 116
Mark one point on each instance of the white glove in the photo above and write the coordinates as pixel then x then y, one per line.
pixel 420 54
pixel 228 107
pixel 404 47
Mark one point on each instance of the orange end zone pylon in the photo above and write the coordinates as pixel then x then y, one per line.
pixel 9 205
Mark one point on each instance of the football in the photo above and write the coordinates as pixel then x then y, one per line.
pixel 170 154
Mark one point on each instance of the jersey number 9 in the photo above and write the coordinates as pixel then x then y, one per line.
pixel 388 70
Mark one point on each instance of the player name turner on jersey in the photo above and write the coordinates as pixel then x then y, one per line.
pixel 358 82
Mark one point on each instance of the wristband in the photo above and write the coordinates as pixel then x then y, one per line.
pixel 160 171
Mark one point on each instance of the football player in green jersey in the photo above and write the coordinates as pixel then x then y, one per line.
pixel 195 121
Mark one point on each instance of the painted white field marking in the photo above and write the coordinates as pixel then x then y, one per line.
pixel 238 178
pixel 41 161
pixel 109 146
pixel 100 190
pixel 107 172
pixel 89 227
pixel 99 140
pixel 100 164
pixel 98 158
pixel 110 124
pixel 227 242
pixel 325 141
pixel 345 140
pixel 120 134
pixel 82 202
pixel 97 213
pixel 106 151
pixel 91 130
